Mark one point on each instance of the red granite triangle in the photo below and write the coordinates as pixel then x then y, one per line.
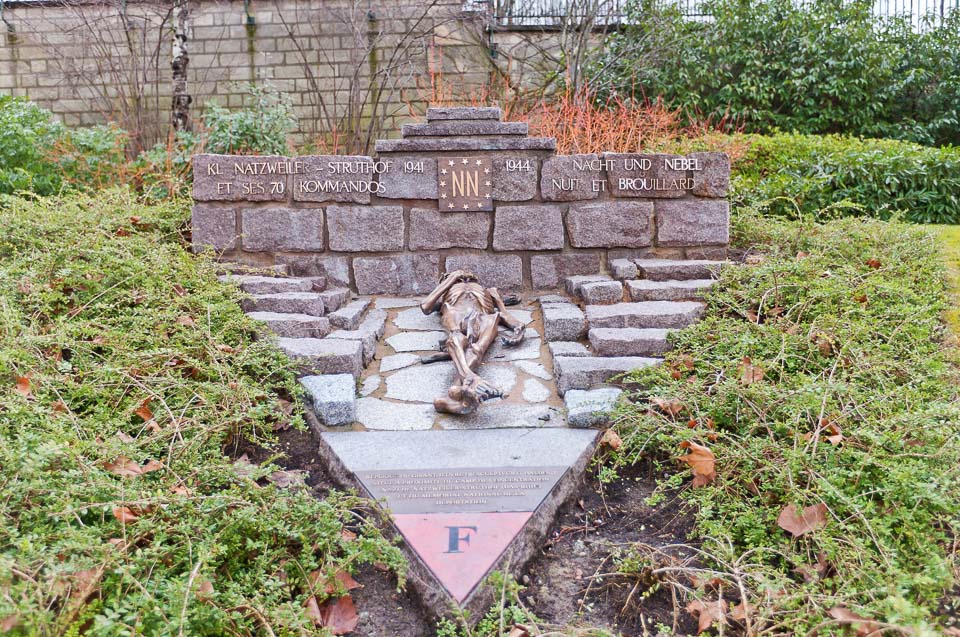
pixel 460 548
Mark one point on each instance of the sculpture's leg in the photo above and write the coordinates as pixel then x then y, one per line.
pixel 468 389
pixel 511 322
pixel 485 338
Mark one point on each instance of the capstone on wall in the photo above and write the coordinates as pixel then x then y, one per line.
pixel 463 191
pixel 361 68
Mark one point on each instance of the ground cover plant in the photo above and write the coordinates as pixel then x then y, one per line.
pixel 813 416
pixel 806 174
pixel 126 371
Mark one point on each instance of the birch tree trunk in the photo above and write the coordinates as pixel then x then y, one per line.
pixel 180 108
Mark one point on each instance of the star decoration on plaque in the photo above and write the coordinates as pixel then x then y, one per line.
pixel 464 184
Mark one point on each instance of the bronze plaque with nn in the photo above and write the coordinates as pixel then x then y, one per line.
pixel 465 184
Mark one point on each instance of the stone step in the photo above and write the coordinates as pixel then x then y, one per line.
pixel 629 341
pixel 368 333
pixel 646 290
pixel 588 372
pixel 285 303
pixel 601 292
pixel 568 348
pixel 562 321
pixel 572 284
pixel 293 325
pixel 333 398
pixel 348 316
pixel 592 407
pixel 623 269
pixel 648 314
pixel 227 267
pixel 334 298
pixel 464 128
pixel 324 355
pixel 676 269
pixel 464 113
pixel 255 284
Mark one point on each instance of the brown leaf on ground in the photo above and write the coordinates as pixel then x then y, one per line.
pixel 702 461
pixel 312 609
pixel 519 630
pixel 873 263
pixel 671 406
pixel 753 317
pixel 952 631
pixel 9 622
pixel 287 479
pixel 180 489
pixel 706 613
pixel 348 535
pixel 186 321
pixel 754 259
pixel 179 290
pixel 740 611
pixel 611 439
pixel 864 627
pixel 204 588
pixel 797 523
pixel 339 615
pixel 330 586
pixel 144 410
pixel 824 346
pixel 59 407
pixel 125 515
pixel 750 373
pixel 23 386
pixel 127 468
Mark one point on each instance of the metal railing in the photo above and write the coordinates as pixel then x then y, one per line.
pixel 547 13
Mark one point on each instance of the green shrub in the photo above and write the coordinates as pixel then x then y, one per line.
pixel 40 155
pixel 26 131
pixel 817 378
pixel 260 128
pixel 824 66
pixel 883 178
pixel 118 347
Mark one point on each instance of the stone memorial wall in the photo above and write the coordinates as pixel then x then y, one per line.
pixel 462 191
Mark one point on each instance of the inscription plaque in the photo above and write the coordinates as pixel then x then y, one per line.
pixel 465 183
pixel 484 489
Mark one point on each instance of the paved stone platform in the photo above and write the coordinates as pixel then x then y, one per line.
pixel 466 502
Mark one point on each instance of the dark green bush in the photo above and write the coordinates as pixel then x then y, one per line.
pixel 806 174
pixel 41 155
pixel 824 66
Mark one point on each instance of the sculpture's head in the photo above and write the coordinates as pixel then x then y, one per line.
pixel 463 275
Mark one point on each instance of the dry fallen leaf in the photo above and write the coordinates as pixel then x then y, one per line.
pixel 58 407
pixel 702 461
pixel 864 627
pixel 204 588
pixel 186 321
pixel 127 468
pixel 23 386
pixel 125 515
pixel 313 611
pixel 740 611
pixel 339 615
pixel 9 622
pixel 671 406
pixel 706 613
pixel 873 263
pixel 144 410
pixel 348 535
pixel 611 439
pixel 179 290
pixel 750 373
pixel 519 630
pixel 798 523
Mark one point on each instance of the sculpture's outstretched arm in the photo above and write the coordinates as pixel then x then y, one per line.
pixel 435 299
pixel 511 322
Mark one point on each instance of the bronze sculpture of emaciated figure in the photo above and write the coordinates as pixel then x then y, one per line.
pixel 471 315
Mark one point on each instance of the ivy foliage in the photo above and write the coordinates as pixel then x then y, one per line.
pixel 126 371
pixel 817 383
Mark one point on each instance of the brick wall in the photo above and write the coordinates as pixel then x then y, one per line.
pixel 342 63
